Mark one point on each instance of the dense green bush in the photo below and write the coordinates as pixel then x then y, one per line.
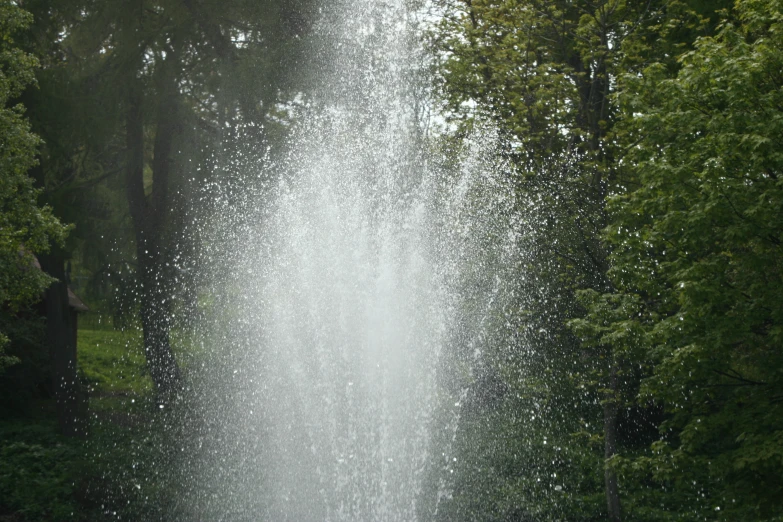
pixel 40 472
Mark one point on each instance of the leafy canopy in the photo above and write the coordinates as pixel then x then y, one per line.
pixel 699 244
pixel 25 228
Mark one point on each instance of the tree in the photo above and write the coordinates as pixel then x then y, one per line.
pixel 698 247
pixel 544 71
pixel 25 227
pixel 547 73
pixel 166 80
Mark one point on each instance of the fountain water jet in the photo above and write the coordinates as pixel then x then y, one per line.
pixel 360 283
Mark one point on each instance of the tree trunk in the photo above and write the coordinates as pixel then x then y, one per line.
pixel 61 338
pixel 610 445
pixel 148 215
pixel 155 325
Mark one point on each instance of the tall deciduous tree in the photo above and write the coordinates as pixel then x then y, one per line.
pixel 547 73
pixel 698 249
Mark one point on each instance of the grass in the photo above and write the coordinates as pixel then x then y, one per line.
pixel 112 363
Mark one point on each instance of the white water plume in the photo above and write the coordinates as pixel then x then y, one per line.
pixel 364 279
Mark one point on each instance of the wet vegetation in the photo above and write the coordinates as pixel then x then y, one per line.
pixel 641 376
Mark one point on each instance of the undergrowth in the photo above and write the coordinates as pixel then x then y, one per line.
pixel 118 471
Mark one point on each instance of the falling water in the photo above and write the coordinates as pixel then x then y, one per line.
pixel 347 295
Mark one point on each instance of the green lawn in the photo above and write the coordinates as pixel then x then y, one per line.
pixel 112 363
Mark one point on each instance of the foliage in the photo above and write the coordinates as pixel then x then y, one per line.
pixel 521 62
pixel 698 244
pixel 25 227
pixel 38 472
pixel 29 378
pixel 544 72
pixel 515 460
pixel 553 76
